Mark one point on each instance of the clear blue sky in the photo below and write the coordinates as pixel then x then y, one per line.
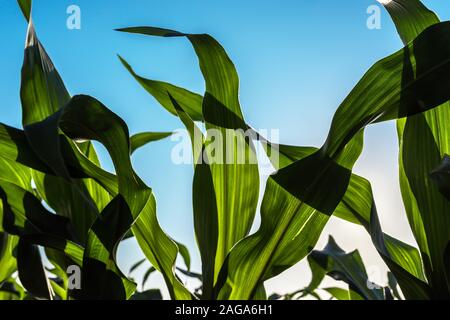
pixel 297 60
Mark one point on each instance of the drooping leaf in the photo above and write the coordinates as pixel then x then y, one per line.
pixel 141 139
pixel 191 102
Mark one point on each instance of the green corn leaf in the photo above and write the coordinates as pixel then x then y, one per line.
pixel 423 144
pixel 222 82
pixel 191 102
pixel 411 17
pixel 15 173
pixel 42 90
pixel 141 139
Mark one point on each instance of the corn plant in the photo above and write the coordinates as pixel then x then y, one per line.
pixel 89 211
pixel 94 208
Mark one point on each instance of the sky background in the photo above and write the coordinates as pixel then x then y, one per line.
pixel 297 61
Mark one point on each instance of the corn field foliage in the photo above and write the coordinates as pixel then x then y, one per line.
pixel 57 204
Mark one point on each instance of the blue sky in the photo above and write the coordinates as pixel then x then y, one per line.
pixel 297 60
